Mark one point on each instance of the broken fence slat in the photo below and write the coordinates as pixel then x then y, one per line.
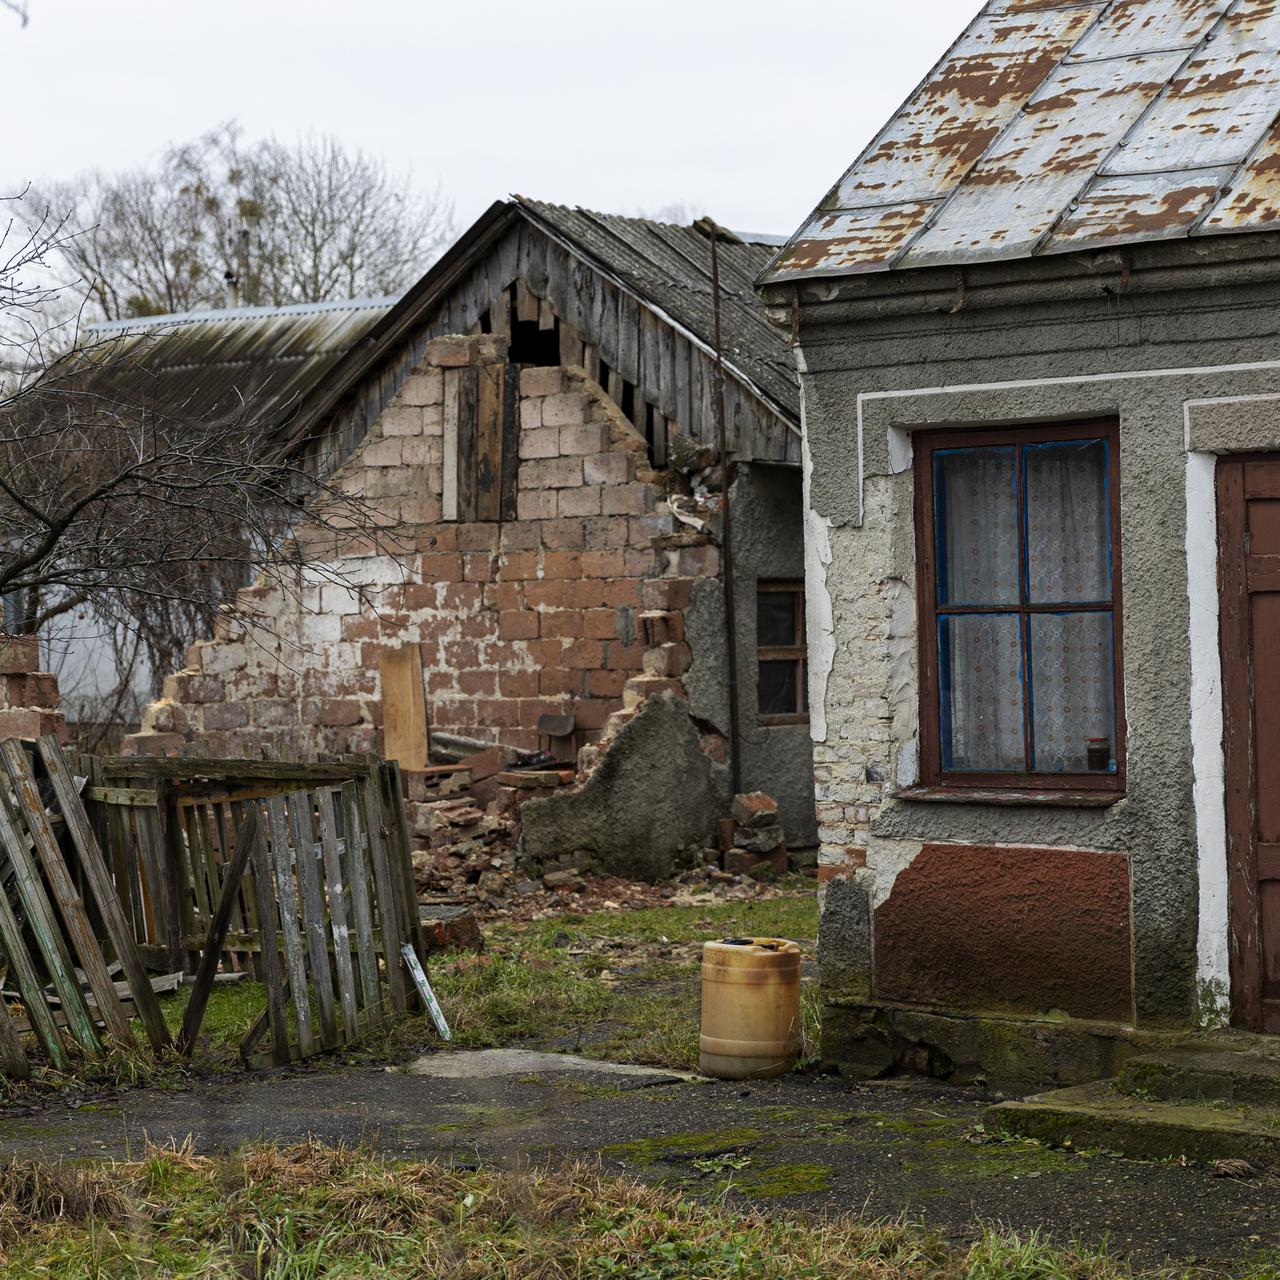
pixel 385 887
pixel 359 868
pixel 105 895
pixel 424 989
pixel 287 897
pixel 193 1016
pixel 74 916
pixel 48 936
pixel 123 796
pixel 272 967
pixel 313 920
pixel 13 1057
pixel 31 988
pixel 337 915
pixel 394 802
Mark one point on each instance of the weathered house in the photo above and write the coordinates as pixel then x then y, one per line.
pixel 1037 322
pixel 537 415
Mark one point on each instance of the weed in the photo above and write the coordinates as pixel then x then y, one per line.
pixel 317 1211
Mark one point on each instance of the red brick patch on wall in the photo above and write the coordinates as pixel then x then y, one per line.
pixel 1025 930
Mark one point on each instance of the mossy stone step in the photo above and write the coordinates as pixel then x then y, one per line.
pixel 1100 1115
pixel 1191 1074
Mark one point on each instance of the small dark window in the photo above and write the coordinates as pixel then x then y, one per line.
pixel 1019 608
pixel 782 688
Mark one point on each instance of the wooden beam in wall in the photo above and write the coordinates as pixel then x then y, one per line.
pixel 488 440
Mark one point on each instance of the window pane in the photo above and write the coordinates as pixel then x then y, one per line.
pixel 776 619
pixel 1073 693
pixel 977 526
pixel 1068 522
pixel 777 688
pixel 980 673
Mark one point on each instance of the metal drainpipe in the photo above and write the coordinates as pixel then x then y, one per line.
pixel 730 604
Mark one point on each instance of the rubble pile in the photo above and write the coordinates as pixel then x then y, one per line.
pixel 752 839
pixel 465 821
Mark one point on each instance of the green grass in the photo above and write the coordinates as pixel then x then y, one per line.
pixel 525 989
pixel 313 1211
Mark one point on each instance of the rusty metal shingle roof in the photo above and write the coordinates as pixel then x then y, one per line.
pixel 217 362
pixel 1060 125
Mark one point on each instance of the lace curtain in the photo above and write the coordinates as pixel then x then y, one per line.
pixel 1045 674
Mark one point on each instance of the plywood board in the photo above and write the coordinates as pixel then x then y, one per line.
pixel 404 709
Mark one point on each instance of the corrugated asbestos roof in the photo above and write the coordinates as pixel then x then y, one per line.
pixel 669 266
pixel 1052 126
pixel 215 362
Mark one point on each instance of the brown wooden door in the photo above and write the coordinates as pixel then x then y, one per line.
pixel 1249 583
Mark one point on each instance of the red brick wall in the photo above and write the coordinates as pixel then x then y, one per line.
pixel 28 696
pixel 542 614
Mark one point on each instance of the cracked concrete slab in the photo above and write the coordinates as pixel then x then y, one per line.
pixel 485 1064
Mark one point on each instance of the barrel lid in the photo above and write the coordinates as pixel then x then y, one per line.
pixel 755 946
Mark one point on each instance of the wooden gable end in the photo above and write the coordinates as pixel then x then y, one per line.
pixel 556 308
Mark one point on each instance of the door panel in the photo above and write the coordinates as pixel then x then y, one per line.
pixel 1249 584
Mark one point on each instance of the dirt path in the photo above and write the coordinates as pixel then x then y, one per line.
pixel 807 1142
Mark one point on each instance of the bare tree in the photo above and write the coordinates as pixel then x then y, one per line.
pixel 305 222
pixel 19 7
pixel 148 518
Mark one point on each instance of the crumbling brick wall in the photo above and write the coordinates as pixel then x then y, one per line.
pixel 29 702
pixel 573 605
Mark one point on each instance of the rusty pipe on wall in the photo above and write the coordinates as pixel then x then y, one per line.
pixel 726 541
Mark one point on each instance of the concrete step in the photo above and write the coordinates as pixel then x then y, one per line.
pixel 1204 1074
pixel 1101 1116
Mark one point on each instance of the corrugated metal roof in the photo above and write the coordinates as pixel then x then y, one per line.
pixel 669 266
pixel 1053 126
pixel 219 362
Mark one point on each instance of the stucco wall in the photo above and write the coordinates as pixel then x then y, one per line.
pixel 1109 345
pixel 768 543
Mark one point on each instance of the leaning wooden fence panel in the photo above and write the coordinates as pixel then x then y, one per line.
pixel 299 873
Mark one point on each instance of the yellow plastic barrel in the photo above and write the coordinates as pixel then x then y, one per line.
pixel 750 1008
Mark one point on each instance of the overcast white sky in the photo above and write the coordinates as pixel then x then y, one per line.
pixel 747 110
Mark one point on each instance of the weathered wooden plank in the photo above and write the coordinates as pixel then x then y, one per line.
pixel 188 768
pixel 659 446
pixel 193 1015
pixel 304 843
pixel 629 338
pixel 508 501
pixel 199 877
pixel 122 795
pixel 359 869
pixel 500 311
pixel 335 888
pixel 286 896
pixel 105 894
pixel 449 444
pixel 13 1057
pixel 467 391
pixel 272 969
pixel 526 304
pixel 230 817
pixel 398 825
pixel 488 453
pixel 44 926
pixel 404 706
pixel 163 908
pixel 178 867
pixel 387 914
pixel 75 918
pixel 571 346
pixel 31 988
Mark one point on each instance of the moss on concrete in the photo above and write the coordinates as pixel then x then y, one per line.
pixel 646 1151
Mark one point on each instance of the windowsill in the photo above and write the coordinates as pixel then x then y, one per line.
pixel 801 717
pixel 1008 796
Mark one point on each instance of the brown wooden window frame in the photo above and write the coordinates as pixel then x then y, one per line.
pixel 797 653
pixel 1096 787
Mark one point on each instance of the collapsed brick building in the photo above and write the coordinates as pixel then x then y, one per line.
pixel 536 418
